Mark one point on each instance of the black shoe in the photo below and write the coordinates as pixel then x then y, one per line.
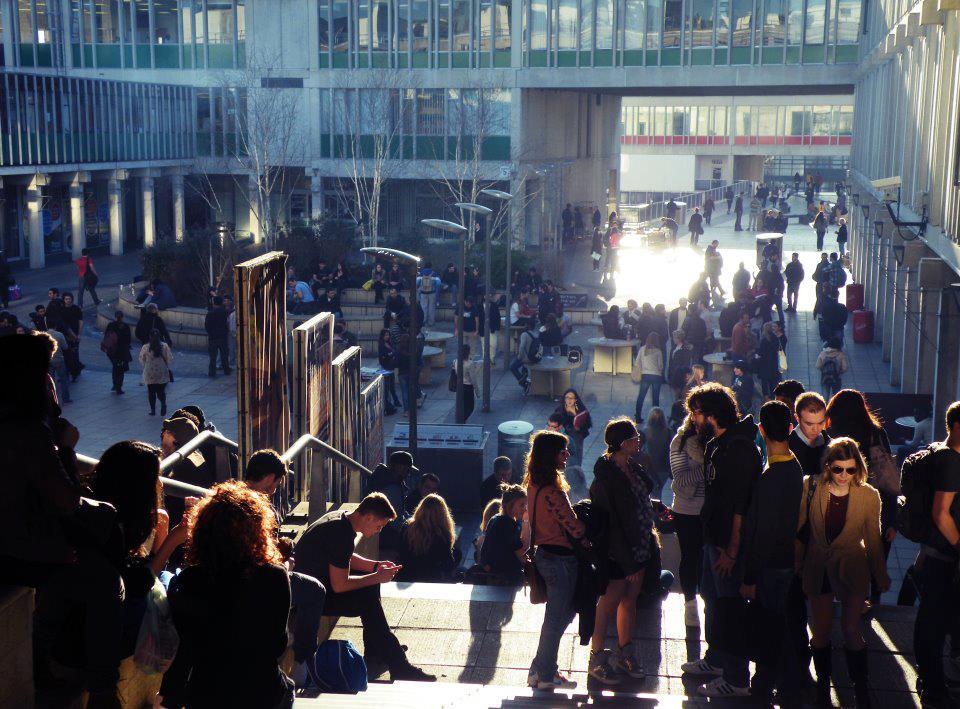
pixel 227 372
pixel 163 410
pixel 121 391
pixel 408 673
pixel 152 413
pixel 212 375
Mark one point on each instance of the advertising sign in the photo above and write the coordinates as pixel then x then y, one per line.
pixel 312 362
pixel 371 423
pixel 346 424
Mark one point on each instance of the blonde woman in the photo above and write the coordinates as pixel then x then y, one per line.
pixel 649 363
pixel 840 518
pixel 492 509
pixel 428 539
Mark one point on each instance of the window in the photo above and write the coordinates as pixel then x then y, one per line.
pixel 844 120
pixel 681 121
pixel 744 123
pixel 165 22
pixel 774 22
pixel 442 26
pixel 720 121
pixel 43 28
pixel 700 23
pixel 142 22
pixel 461 25
pixel 324 9
pixel 420 25
pixel 339 26
pixel 586 26
pixel 241 20
pixel 220 22
pixel 768 121
pixel 538 24
pixel 672 18
pixel 795 120
pixel 604 28
pixel 848 21
pixel 822 119
pixel 567 24
pixel 654 20
pixel 723 22
pixel 742 22
pixel 813 29
pixel 502 24
pixel 430 111
pixel 108 21
pixel 633 24
pixel 795 22
pixel 26 22
pixel 497 108
pixel 486 25
pixel 362 18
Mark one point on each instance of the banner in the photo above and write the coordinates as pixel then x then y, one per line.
pixel 371 423
pixel 312 360
pixel 260 292
pixel 346 422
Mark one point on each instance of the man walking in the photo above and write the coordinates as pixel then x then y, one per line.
pixel 695 226
pixel 428 286
pixel 87 278
pixel 116 345
pixel 728 195
pixel 738 210
pixel 71 325
pixel 217 334
pixel 794 275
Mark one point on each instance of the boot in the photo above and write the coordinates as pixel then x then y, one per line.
pixel 858 668
pixel 823 664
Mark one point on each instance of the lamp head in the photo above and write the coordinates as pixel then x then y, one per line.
pixel 497 194
pixel 475 208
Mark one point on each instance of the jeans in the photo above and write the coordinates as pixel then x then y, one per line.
pixel 519 370
pixel 560 575
pixel 390 387
pixel 306 599
pixel 648 382
pixel 726 618
pixel 842 246
pixel 118 369
pixel 215 345
pixel 378 640
pixel 738 226
pixel 62 379
pixel 773 588
pixel 81 287
pixel 575 446
pixel 428 301
pixel 690 536
pixel 936 616
pixel 793 293
pixel 154 392
pixel 820 235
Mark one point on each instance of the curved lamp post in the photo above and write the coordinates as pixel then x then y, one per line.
pixel 413 262
pixel 475 209
pixel 461 231
pixel 503 197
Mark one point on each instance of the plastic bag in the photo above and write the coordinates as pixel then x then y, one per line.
pixel 157 640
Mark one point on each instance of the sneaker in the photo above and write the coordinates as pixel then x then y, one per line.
pixel 559 681
pixel 526 387
pixel 410 673
pixel 700 667
pixel 691 614
pixel 601 670
pixel 719 687
pixel 626 661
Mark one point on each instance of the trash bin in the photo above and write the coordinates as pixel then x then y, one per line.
pixel 854 297
pixel 513 439
pixel 863 326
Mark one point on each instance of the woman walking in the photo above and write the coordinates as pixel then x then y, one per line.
pixel 686 466
pixel 552 526
pixel 576 423
pixel 681 361
pixel 472 378
pixel 840 518
pixel 387 356
pixel 622 489
pixel 649 365
pixel 155 358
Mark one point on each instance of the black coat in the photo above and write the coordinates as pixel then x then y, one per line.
pixel 148 323
pixel 121 351
pixel 695 225
pixel 215 323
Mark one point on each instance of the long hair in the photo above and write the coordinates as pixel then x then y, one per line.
pixel 492 509
pixel 156 347
pixel 578 402
pixel 542 468
pixel 233 529
pixel 844 449
pixel 653 341
pixel 617 432
pixel 656 419
pixel 431 522
pixel 128 477
pixel 849 415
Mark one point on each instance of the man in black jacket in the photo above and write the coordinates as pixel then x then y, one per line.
pixel 794 274
pixel 833 316
pixel 732 466
pixel 738 209
pixel 217 333
pixel 809 439
pixel 71 325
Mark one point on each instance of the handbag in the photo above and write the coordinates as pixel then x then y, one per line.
pixel 781 361
pixel 595 256
pixel 368 285
pixel 452 381
pixel 882 469
pixel 532 577
pixel 803 534
pixel 157 640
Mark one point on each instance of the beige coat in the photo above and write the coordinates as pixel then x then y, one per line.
pixel 156 370
pixel 854 555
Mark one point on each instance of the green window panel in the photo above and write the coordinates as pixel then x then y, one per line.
pixel 203 143
pixel 368 146
pixel 381 60
pixel 221 56
pixel 603 57
pixel 430 147
pixel 501 59
pixel 652 58
pixel 461 60
pixel 108 55
pixel 44 55
pixel 143 55
pixel 633 57
pixel 847 53
pixel 701 57
pixel 756 55
pixel 538 57
pixel 395 148
pixel 324 60
pixel 772 55
pixel 484 58
pixel 363 61
pixel 793 55
pixel 325 145
pixel 585 58
pixel 421 60
pixel 459 148
pixel 495 148
pixel 128 55
pixel 232 146
pixel 88 54
pixel 407 143
pixel 401 60
pixel 26 54
pixel 813 54
pixel 720 56
pixel 740 55
pixel 241 54
pixel 187 57
pixel 76 52
pixel 566 58
pixel 670 57
pixel 443 60
pixel 167 56
pixel 342 148
pixel 341 60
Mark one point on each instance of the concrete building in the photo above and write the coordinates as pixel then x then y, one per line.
pixel 437 98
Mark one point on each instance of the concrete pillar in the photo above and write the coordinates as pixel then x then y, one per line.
pixel 149 216
pixel 6 19
pixel 905 321
pixel 254 199
pixel 179 209
pixel 38 257
pixel 933 274
pixel 77 226
pixel 889 267
pixel 316 198
pixel 117 225
pixel 948 355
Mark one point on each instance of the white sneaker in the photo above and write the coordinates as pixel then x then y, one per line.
pixel 719 687
pixel 700 667
pixel 691 614
pixel 559 681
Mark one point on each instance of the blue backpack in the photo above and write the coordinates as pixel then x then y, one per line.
pixel 337 666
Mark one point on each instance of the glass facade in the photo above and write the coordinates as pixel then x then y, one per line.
pixel 415 124
pixel 736 125
pixel 49 120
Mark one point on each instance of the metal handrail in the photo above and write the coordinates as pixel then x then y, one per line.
pixel 193 444
pixel 178 488
pixel 308 442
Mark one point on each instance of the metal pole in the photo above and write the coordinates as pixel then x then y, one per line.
pixel 487 294
pixel 460 286
pixel 414 373
pixel 509 276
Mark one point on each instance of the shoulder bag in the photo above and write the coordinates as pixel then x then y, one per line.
pixel 531 575
pixel 803 534
pixel 882 469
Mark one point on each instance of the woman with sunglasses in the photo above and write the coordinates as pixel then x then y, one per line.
pixel 840 520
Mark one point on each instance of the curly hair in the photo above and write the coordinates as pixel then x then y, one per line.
pixel 232 529
pixel 431 523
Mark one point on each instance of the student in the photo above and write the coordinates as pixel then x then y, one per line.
pixel 686 467
pixel 427 549
pixel 742 385
pixel 502 474
pixel 429 484
pixel 576 423
pixel 769 536
pixel 502 550
pixel 326 552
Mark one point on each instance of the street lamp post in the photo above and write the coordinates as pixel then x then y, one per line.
pixel 460 231
pixel 414 262
pixel 475 209
pixel 504 197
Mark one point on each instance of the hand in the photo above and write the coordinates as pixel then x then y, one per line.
pixel 388 565
pixel 724 564
pixel 189 503
pixel 748 591
pixel 890 535
pixel 386 574
pixel 179 534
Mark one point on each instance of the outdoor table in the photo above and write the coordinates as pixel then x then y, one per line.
pixel 723 343
pixel 597 323
pixel 722 369
pixel 435 358
pixel 907 422
pixel 550 376
pixel 612 356
pixel 435 338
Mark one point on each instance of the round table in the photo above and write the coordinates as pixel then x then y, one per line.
pixel 436 358
pixel 551 376
pixel 436 339
pixel 907 422
pixel 722 368
pixel 612 356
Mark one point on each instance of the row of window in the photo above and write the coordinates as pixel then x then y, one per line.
pixel 738 125
pixel 52 120
pixel 163 34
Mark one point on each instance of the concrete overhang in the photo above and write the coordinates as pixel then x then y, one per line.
pixel 930 13
pixel 914 28
pixel 947 5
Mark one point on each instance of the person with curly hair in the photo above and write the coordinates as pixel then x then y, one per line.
pixel 427 548
pixel 230 606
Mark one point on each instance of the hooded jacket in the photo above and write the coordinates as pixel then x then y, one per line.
pixel 732 467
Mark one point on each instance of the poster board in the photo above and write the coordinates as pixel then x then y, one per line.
pixel 312 383
pixel 346 484
pixel 371 423
pixel 263 419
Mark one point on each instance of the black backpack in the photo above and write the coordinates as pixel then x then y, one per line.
pixel 830 374
pixel 535 350
pixel 915 504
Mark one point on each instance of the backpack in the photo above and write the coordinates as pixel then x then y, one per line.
pixel 915 505
pixel 109 343
pixel 534 349
pixel 830 374
pixel 337 666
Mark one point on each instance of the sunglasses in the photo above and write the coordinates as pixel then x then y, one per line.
pixel 840 470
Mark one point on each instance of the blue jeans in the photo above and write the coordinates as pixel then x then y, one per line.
pixel 773 588
pixel 725 613
pixel 575 445
pixel 560 575
pixel 648 382
pixel 307 596
pixel 519 370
